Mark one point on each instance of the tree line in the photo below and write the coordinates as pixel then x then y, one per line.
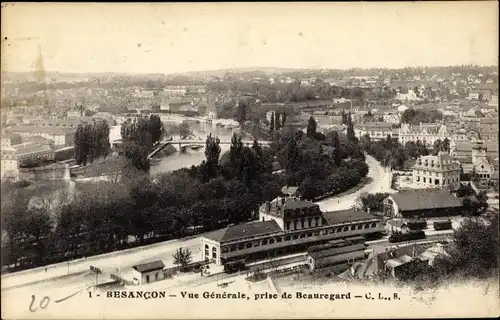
pixel 390 153
pixel 416 117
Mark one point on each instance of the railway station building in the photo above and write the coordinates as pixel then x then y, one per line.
pixel 286 225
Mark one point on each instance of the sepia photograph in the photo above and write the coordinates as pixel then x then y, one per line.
pixel 249 160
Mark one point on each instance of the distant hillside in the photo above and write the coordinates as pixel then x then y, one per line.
pixel 54 76
pixel 222 72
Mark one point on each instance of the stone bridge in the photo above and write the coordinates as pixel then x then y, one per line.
pixel 182 144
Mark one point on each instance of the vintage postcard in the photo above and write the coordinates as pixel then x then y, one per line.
pixel 249 160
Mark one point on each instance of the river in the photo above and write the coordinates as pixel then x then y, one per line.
pixel 190 157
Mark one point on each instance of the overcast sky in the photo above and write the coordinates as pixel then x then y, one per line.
pixel 167 38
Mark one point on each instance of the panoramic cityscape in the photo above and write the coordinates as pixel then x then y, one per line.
pixel 242 182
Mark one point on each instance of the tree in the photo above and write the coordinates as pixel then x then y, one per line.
pixel 212 153
pixel 249 166
pixel 236 154
pixel 292 156
pixel 333 136
pixel 437 146
pixel 155 128
pixel 476 251
pixel 311 127
pixel 184 130
pixel 182 258
pixel 344 117
pixel 283 119
pixel 277 121
pixel 373 201
pixel 445 146
pixel 350 133
pixel 271 128
pixel 137 142
pixel 91 141
pixel 241 111
pixel 388 142
pixel 81 146
pixel 39 226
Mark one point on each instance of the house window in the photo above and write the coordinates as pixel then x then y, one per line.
pixel 436 181
pixel 295 224
pixel 316 219
pixel 256 243
pixel 424 179
pixel 310 221
pixel 346 228
pixel 309 234
pixel 214 255
pixel 241 246
pixel 302 223
pixel 288 225
pixel 248 245
pixel 353 228
pixel 287 238
pixel 367 225
pixel 271 241
pixel 374 224
pixel 264 242
pixel 279 239
pixel 360 227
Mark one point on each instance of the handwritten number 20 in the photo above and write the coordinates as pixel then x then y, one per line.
pixel 43 304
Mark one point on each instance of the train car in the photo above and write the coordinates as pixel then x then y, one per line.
pixel 234 266
pixel 408 236
pixel 416 224
pixel 442 225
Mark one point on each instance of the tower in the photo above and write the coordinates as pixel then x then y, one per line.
pixel 478 152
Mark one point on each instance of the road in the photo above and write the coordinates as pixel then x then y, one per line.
pixel 378 180
pixel 121 260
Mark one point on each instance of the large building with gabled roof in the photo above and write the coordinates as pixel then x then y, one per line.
pixel 286 225
pixel 424 203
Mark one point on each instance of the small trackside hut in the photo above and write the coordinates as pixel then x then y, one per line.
pixel 148 272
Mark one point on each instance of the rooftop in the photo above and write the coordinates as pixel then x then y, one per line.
pixel 376 125
pixel 289 190
pixel 467 146
pixel 424 199
pixel 399 255
pixel 331 260
pixel 336 217
pixel 37 129
pixel 245 230
pixel 150 266
pixel 337 250
pixel 298 204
